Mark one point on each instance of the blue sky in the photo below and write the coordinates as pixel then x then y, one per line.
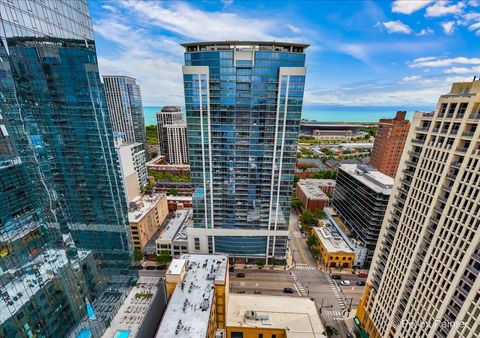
pixel 401 54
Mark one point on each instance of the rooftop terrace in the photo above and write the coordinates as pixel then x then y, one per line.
pixel 370 177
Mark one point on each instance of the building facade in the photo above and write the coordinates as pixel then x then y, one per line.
pixel 145 216
pixel 124 103
pixel 133 166
pixel 167 116
pixel 389 142
pixel 311 195
pixel 61 200
pixel 176 145
pixel 243 106
pixel 360 198
pixel 424 280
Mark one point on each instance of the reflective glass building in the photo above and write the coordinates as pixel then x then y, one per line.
pixel 243 106
pixel 62 213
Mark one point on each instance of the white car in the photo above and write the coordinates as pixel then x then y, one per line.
pixel 345 283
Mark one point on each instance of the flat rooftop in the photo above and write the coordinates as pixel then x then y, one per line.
pixel 244 43
pixel 130 315
pixel 175 224
pixel 331 239
pixel 297 316
pixel 145 204
pixel 189 308
pixel 311 188
pixel 369 177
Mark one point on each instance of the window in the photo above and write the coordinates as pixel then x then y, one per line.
pixel 237 334
pixel 260 335
pixel 197 243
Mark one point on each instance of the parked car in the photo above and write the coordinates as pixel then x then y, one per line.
pixel 350 335
pixel 139 267
pixel 288 290
pixel 361 283
pixel 150 267
pixel 241 275
pixel 336 277
pixel 345 283
pixel 362 275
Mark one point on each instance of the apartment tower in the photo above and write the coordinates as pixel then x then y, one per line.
pixel 243 105
pixel 124 102
pixel 176 144
pixel 171 115
pixel 424 278
pixel 389 142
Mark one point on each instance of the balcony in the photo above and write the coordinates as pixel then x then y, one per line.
pixel 447 187
pixel 417 141
pixel 451 176
pixel 442 199
pixel 434 130
pixel 422 129
pixel 462 149
pixel 474 117
pixel 428 114
pixel 413 153
pixel 468 133
pixel 456 164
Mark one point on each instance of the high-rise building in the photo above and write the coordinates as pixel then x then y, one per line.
pixel 360 198
pixel 124 102
pixel 424 280
pixel 176 144
pixel 133 166
pixel 170 115
pixel 243 106
pixel 61 201
pixel 60 130
pixel 389 142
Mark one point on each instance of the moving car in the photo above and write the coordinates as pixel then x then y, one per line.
pixel 345 283
pixel 241 275
pixel 361 283
pixel 336 277
pixel 287 290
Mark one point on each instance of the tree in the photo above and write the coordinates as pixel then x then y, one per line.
pixel 307 217
pixel 173 192
pixel 330 331
pixel 319 214
pixel 137 255
pixel 311 241
pixel 163 258
pixel 296 203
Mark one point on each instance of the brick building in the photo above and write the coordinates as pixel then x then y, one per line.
pixel 389 142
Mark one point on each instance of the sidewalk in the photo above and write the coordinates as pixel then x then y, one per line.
pixel 256 267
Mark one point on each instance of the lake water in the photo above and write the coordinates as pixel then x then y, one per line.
pixel 319 115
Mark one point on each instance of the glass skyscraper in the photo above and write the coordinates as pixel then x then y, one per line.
pixel 61 198
pixel 243 106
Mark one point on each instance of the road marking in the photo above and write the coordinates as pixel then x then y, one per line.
pixel 295 285
pixel 305 267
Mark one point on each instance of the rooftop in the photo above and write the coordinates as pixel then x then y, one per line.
pixel 244 43
pixel 331 239
pixel 369 177
pixel 130 315
pixel 297 316
pixel 141 205
pixel 175 224
pixel 311 188
pixel 189 308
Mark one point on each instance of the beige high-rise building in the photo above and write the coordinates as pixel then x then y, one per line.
pixel 424 276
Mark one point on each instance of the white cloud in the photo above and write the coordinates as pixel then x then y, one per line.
pixel 193 23
pixel 417 79
pixel 462 70
pixel 441 8
pixel 448 27
pixel 293 28
pixel 475 27
pixel 425 31
pixel 473 3
pixel 443 62
pixel 409 6
pixel 397 27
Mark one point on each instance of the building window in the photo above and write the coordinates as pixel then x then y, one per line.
pixel 237 334
pixel 197 243
pixel 260 335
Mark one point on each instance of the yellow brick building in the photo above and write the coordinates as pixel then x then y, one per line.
pixel 334 251
pixel 145 216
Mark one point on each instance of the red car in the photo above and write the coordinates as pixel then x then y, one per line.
pixel 240 275
pixel 362 275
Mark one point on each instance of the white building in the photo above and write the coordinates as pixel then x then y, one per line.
pixel 173 238
pixel 167 116
pixel 424 280
pixel 133 167
pixel 124 102
pixel 176 144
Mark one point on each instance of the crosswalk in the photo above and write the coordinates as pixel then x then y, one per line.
pixel 336 292
pixel 332 313
pixel 298 285
pixel 305 267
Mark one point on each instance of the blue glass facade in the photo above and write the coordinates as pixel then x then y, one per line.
pixel 243 107
pixel 62 212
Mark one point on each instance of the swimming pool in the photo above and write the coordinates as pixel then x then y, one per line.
pixel 122 334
